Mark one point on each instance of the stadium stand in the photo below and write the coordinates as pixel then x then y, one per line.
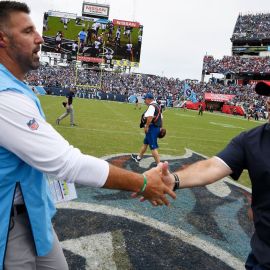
pixel 252 27
pixel 250 58
pixel 237 65
pixel 117 86
pixel 249 62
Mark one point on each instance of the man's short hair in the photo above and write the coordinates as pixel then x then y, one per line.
pixel 7 7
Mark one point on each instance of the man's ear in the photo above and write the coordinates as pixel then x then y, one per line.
pixel 3 39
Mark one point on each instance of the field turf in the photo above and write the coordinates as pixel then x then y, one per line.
pixel 106 128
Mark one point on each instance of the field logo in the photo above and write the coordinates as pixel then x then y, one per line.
pixel 204 228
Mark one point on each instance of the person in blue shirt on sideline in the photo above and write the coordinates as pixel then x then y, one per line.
pixel 152 123
pixel 30 148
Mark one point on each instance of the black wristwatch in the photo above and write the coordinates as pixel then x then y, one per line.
pixel 177 182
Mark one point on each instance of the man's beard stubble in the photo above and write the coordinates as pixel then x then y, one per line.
pixel 27 63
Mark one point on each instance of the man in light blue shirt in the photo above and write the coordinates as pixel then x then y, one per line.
pixel 30 148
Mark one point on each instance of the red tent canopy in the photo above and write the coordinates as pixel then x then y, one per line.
pixel 217 97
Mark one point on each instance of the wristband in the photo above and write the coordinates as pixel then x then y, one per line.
pixel 144 184
pixel 177 182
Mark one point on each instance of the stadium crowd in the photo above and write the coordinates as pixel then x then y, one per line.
pixel 138 84
pixel 236 64
pixel 252 27
pixel 121 83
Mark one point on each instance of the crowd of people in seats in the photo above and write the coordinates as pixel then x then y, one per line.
pixel 236 64
pixel 138 84
pixel 252 27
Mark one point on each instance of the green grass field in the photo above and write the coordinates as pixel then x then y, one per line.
pixel 106 128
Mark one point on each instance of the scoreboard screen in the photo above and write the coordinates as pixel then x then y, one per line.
pixel 94 40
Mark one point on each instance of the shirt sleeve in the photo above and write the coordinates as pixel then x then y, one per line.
pixel 150 111
pixel 234 156
pixel 41 146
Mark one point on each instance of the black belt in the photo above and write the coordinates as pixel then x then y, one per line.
pixel 18 210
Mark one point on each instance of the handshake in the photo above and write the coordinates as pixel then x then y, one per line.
pixel 158 182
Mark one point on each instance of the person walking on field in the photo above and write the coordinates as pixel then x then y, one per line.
pixel 152 125
pixel 69 109
pixel 200 108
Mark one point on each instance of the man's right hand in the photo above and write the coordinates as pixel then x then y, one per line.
pixel 157 188
pixel 166 176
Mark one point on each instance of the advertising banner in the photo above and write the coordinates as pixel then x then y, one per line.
pixel 218 97
pixel 95 10
pixel 90 59
pixel 126 23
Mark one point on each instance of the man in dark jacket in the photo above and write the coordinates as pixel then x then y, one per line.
pixel 250 151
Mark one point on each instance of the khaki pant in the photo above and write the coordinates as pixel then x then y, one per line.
pixel 70 112
pixel 20 253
